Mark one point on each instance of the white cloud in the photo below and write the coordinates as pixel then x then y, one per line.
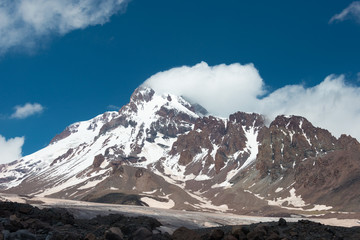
pixel 220 89
pixel 332 105
pixel 10 149
pixel 225 89
pixel 24 22
pixel 352 11
pixel 27 110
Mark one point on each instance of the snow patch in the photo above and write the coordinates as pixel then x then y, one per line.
pixel 159 204
pixel 151 192
pixel 252 146
pixel 295 202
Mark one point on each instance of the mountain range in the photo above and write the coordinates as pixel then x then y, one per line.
pixel 162 150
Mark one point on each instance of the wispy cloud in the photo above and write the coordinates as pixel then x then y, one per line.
pixel 10 150
pixel 351 12
pixel 113 107
pixel 24 23
pixel 27 110
pixel 224 89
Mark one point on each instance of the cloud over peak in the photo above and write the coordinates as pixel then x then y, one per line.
pixel 24 22
pixel 352 11
pixel 225 89
pixel 220 89
pixel 27 110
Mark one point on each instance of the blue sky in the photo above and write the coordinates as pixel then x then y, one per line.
pixel 78 66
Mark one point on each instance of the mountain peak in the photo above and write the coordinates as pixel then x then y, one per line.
pixel 161 149
pixel 291 122
pixel 142 93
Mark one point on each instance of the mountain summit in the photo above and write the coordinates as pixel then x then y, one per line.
pixel 159 150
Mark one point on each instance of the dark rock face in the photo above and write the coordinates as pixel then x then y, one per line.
pixel 7 179
pixel 333 178
pixel 247 119
pixel 98 160
pixel 287 142
pixel 229 136
pixel 62 135
pixel 325 169
pixel 116 122
pixel 171 123
pixel 62 157
pixel 117 198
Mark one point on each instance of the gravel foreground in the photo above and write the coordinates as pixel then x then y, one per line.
pixel 23 221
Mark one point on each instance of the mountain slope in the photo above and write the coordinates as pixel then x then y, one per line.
pixel 160 150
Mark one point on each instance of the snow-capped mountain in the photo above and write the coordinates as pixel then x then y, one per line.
pixel 160 150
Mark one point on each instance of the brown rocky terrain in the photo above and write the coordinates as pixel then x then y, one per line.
pixel 333 178
pixel 289 141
